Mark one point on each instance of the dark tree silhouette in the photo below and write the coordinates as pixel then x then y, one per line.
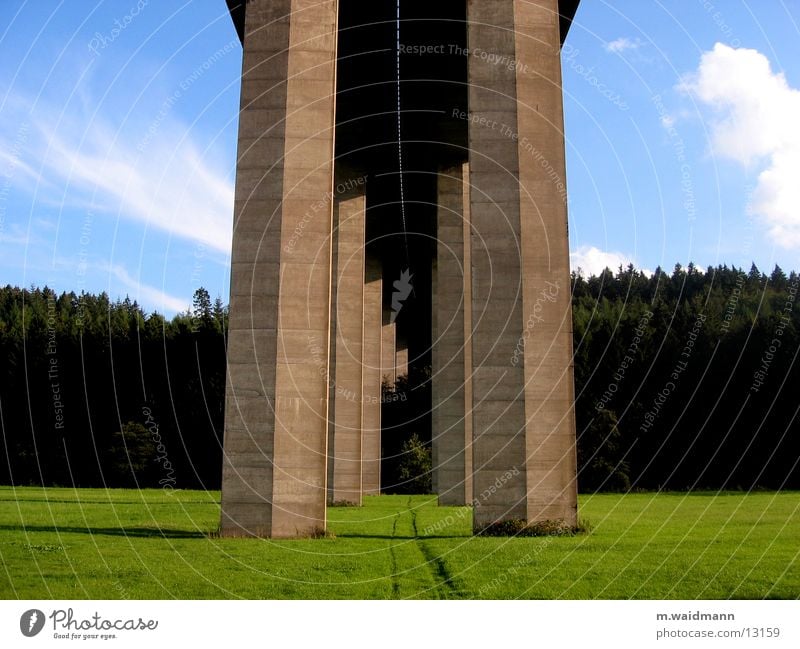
pixel 683 381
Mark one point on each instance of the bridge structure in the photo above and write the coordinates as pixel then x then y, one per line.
pixel 400 204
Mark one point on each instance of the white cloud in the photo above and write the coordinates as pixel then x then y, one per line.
pixel 754 123
pixel 589 260
pixel 621 44
pixel 170 186
pixel 142 293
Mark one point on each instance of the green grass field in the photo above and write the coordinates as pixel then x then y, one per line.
pixel 70 544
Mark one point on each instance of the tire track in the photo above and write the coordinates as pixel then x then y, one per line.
pixel 394 567
pixel 445 586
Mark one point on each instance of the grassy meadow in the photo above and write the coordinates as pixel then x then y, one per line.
pixel 152 544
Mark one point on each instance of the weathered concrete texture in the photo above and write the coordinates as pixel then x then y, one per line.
pixel 499 446
pixel 371 379
pixel 452 425
pixel 524 431
pixel 549 386
pixel 468 371
pixel 276 398
pixel 344 445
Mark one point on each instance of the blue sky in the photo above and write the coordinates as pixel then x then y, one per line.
pixel 118 127
pixel 682 140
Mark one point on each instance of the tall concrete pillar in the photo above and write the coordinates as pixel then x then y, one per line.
pixel 274 471
pixel 371 379
pixel 451 357
pixel 551 467
pixel 347 326
pixel 524 443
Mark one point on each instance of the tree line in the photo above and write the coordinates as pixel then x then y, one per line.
pixel 95 392
pixel 687 380
pixel 684 380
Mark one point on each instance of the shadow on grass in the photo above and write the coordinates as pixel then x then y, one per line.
pixel 408 537
pixel 136 532
pixel 144 501
pixel 155 532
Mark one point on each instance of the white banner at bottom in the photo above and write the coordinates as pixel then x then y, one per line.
pixel 400 625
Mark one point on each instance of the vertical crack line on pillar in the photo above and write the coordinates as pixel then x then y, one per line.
pixel 400 143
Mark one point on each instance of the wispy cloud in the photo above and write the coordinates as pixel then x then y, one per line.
pixel 113 278
pixel 14 235
pixel 171 186
pixel 753 113
pixel 145 294
pixel 11 164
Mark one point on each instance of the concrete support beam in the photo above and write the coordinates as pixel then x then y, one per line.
pixel 551 466
pixel 499 446
pixel 274 471
pixel 345 440
pixel 524 435
pixel 451 350
pixel 371 379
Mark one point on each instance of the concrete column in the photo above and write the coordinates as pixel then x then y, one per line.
pixel 274 470
pixel 499 445
pixel 522 381
pixel 344 444
pixel 524 430
pixel 371 380
pixel 452 365
pixel 549 385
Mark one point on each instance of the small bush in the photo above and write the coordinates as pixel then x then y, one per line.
pixel 321 533
pixel 521 527
pixel 414 467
